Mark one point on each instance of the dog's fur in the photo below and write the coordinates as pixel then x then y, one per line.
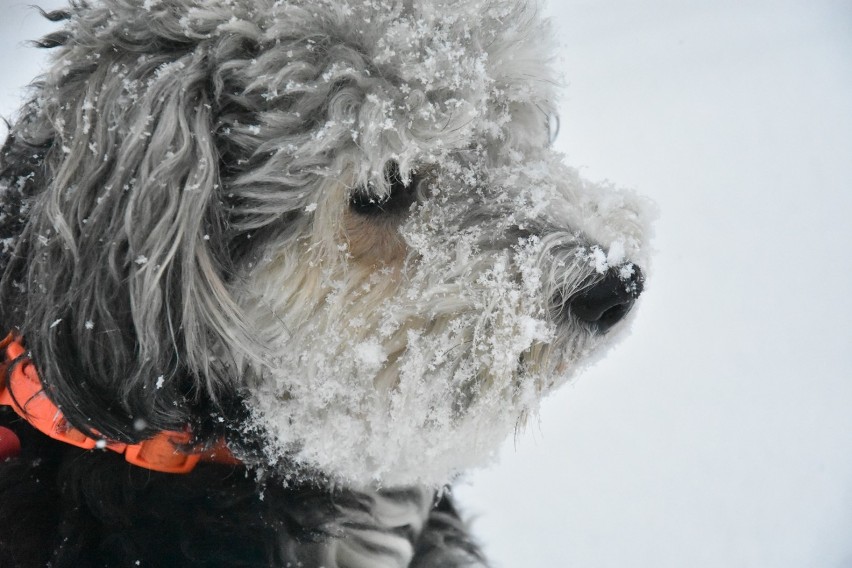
pixel 332 232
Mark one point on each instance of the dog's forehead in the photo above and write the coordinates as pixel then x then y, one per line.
pixel 372 80
pixel 432 75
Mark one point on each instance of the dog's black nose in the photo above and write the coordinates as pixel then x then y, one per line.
pixel 604 304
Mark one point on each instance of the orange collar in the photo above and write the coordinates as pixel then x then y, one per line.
pixel 165 452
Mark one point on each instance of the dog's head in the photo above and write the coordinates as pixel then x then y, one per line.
pixel 344 214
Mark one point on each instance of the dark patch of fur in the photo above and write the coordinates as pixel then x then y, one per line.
pixel 66 507
pixel 69 508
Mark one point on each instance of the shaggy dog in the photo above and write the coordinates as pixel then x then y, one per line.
pixel 321 247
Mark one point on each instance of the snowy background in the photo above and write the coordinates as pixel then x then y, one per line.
pixel 720 433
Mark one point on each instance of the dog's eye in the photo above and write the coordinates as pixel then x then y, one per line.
pixel 364 201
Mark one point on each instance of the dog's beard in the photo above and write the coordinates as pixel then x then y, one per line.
pixel 400 383
pixel 412 372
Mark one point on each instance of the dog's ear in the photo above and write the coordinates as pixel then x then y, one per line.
pixel 118 276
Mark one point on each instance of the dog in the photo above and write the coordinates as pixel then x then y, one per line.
pixel 276 272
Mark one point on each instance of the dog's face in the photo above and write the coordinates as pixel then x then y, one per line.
pixel 348 213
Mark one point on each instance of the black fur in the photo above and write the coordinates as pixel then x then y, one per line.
pixel 66 507
pixel 69 508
